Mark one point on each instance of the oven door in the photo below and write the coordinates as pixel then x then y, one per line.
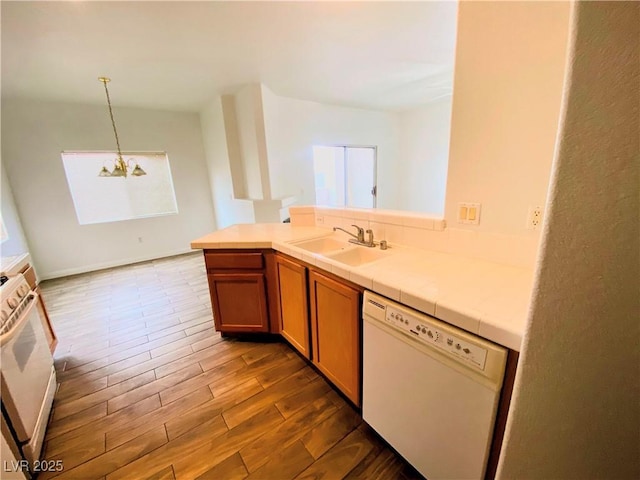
pixel 27 373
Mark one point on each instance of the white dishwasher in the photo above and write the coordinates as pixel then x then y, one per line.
pixel 429 389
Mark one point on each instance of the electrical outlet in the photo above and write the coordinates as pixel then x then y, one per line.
pixel 534 218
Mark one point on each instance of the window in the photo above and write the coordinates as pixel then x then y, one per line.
pixel 345 176
pixel 111 199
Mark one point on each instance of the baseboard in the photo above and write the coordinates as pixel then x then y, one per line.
pixel 116 263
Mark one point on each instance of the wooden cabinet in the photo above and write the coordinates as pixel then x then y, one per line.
pixel 294 304
pixel 30 276
pixel 335 332
pixel 316 312
pixel 239 302
pixel 320 317
pixel 52 340
pixel 238 287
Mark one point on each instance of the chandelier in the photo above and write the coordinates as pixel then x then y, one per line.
pixel 120 168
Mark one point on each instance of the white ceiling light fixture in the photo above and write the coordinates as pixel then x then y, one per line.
pixel 120 168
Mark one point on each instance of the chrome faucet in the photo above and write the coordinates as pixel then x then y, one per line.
pixel 359 237
pixel 370 242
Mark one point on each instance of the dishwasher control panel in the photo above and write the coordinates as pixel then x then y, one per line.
pixel 430 333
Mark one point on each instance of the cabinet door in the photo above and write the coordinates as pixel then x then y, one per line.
pixel 294 305
pixel 335 326
pixel 239 302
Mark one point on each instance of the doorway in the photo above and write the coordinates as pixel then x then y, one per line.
pixel 345 176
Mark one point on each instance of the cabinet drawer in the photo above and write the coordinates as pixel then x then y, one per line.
pixel 253 261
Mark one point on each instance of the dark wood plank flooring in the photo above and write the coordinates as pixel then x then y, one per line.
pixel 149 390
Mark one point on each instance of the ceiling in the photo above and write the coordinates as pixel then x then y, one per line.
pixel 178 55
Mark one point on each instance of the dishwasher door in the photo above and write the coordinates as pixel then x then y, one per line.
pixel 435 409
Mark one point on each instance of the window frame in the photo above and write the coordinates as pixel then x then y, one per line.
pixel 345 147
pixel 172 198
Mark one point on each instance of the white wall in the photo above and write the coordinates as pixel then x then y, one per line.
pixel 575 413
pixel 16 243
pixel 292 128
pixel 34 133
pixel 232 138
pixel 228 210
pixel 423 142
pixel 510 59
pixel 412 150
pixel 246 101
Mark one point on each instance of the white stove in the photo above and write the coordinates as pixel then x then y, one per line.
pixel 13 294
pixel 26 367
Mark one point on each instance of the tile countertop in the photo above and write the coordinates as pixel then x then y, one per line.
pixel 485 298
pixel 12 265
pixel 257 235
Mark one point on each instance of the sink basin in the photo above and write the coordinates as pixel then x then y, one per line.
pixel 322 245
pixel 357 256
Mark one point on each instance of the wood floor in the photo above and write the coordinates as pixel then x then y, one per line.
pixel 148 390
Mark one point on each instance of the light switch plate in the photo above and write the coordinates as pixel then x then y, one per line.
pixel 469 213
pixel 462 213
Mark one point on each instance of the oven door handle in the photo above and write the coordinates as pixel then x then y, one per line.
pixel 19 324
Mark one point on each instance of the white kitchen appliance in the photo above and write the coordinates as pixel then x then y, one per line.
pixel 429 389
pixel 12 467
pixel 28 379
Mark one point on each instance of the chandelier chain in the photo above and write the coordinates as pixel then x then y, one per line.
pixel 113 122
